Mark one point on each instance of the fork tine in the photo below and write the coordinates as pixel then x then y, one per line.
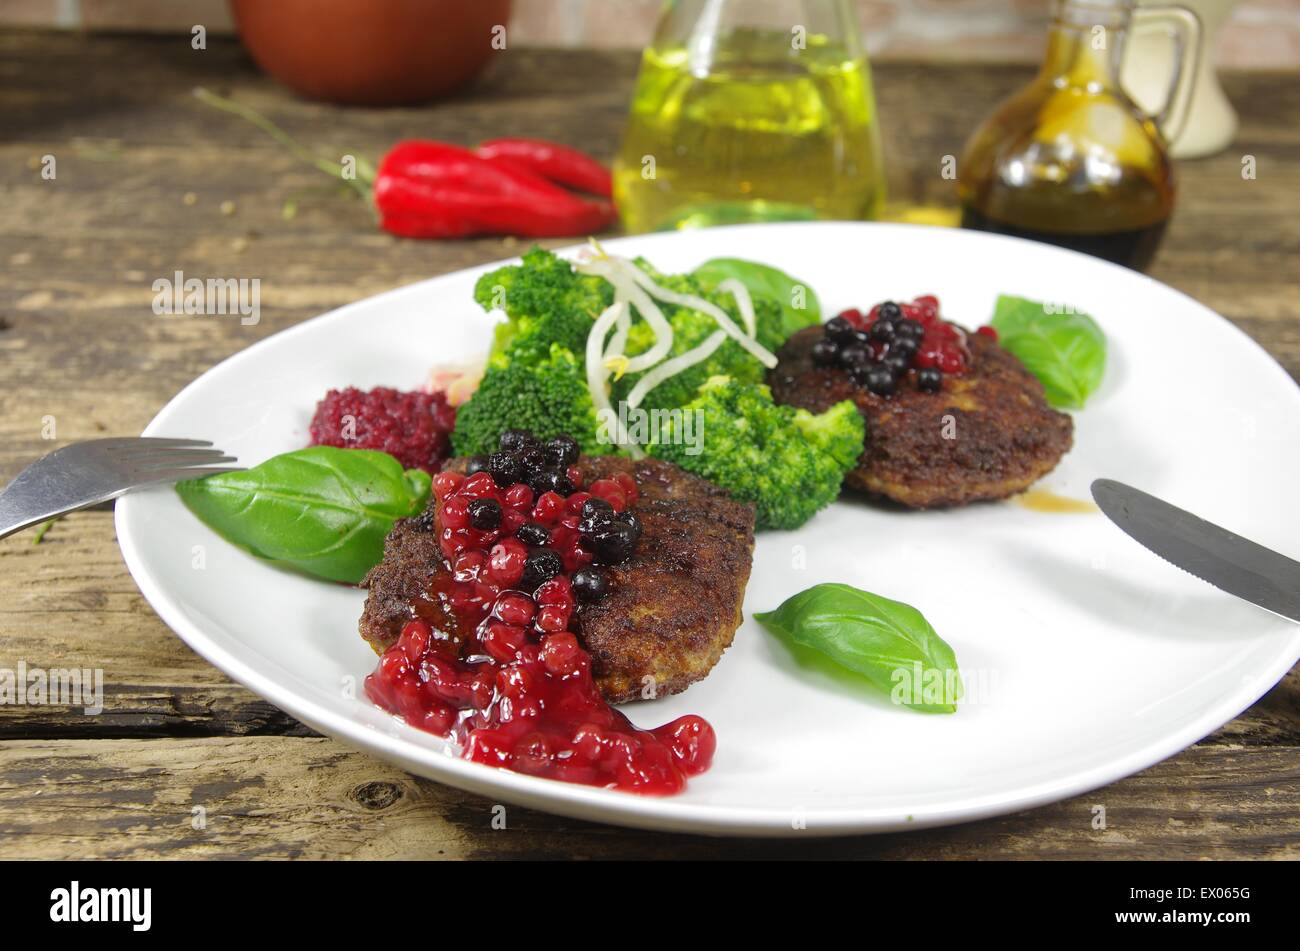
pixel 148 443
pixel 181 463
pixel 184 462
pixel 173 457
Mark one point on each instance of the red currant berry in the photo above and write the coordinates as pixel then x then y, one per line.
pixel 515 608
pixel 455 513
pixel 519 496
pixel 575 501
pixel 691 741
pixel 552 618
pixel 559 653
pixel 478 486
pixel 502 640
pixel 445 483
pixel 611 492
pixel 506 561
pixel 511 521
pixel 548 508
pixel 467 565
pixel 414 640
pixel 555 591
pixel 629 487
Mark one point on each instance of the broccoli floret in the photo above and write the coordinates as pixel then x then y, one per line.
pixel 788 462
pixel 796 302
pixel 549 397
pixel 546 302
pixel 769 322
pixel 691 328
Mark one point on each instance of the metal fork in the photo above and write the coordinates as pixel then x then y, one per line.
pixel 87 473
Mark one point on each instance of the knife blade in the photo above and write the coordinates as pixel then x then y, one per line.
pixel 1224 559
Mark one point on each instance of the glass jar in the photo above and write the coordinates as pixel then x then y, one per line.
pixel 750 110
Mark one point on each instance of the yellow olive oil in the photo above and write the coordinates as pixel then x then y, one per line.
pixel 1043 500
pixel 764 131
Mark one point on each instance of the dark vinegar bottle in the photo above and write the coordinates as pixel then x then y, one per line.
pixel 1070 159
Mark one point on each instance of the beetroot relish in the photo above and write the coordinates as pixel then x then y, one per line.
pixel 498 668
pixel 415 428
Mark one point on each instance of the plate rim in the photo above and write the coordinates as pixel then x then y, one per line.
pixel 618 808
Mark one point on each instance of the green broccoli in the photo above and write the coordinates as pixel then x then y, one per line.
pixel 691 328
pixel 769 321
pixel 546 302
pixel 797 302
pixel 549 397
pixel 788 462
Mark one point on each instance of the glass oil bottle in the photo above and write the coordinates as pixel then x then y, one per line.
pixel 1070 159
pixel 750 110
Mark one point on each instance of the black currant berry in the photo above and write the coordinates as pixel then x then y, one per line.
pixel 591 584
pixel 531 533
pixel 485 514
pixel 563 450
pixel 512 440
pixel 881 380
pixel 929 380
pixel 541 565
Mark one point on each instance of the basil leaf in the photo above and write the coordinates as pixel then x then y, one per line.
pixel 888 642
pixel 799 305
pixel 1066 351
pixel 323 511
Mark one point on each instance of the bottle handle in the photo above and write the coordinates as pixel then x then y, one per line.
pixel 1185 28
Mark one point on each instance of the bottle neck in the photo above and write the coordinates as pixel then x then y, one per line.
pixel 1085 44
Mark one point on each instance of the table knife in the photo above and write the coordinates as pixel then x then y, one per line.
pixel 1224 559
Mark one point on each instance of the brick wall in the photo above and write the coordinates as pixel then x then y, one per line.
pixel 1262 34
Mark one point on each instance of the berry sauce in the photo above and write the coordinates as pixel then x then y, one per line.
pixel 415 428
pixel 895 345
pixel 490 658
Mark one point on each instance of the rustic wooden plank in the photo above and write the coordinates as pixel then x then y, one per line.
pixel 277 797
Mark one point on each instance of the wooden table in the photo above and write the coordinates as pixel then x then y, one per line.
pixel 149 181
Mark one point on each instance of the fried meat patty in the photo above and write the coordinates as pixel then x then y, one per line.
pixel 1004 436
pixel 675 604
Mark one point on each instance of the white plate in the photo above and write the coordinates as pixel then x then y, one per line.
pixel 1086 658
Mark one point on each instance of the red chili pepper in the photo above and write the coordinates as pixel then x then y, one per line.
pixel 434 190
pixel 412 209
pixel 430 189
pixel 559 163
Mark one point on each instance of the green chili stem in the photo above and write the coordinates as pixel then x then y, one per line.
pixel 43 528
pixel 362 183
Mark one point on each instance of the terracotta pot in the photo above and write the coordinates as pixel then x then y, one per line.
pixel 371 52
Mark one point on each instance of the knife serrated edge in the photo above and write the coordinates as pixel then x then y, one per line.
pixel 1283 599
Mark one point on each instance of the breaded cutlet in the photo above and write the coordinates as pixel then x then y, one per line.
pixel 988 434
pixel 675 604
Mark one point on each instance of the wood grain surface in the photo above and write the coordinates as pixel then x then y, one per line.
pixel 149 181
